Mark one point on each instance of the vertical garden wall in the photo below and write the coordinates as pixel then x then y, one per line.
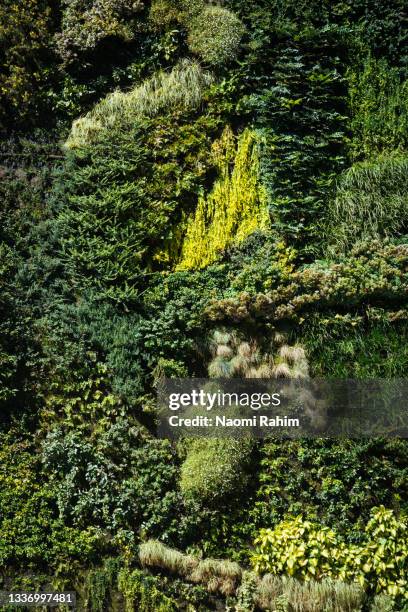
pixel 190 189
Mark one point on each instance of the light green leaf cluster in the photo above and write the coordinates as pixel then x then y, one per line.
pixel 306 550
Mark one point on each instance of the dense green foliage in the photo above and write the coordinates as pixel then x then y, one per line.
pixel 190 188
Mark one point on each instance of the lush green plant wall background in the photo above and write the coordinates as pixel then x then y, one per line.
pixel 191 188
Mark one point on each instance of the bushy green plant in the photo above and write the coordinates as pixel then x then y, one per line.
pixel 372 275
pixel 380 563
pixel 24 183
pixel 164 13
pixel 327 479
pixel 142 594
pixel 352 346
pixel 32 533
pixel 298 548
pixel 113 233
pixel 215 35
pixel 378 101
pixel 371 202
pixel 246 593
pixel 295 100
pixel 99 585
pixel 121 196
pixel 79 401
pixel 214 470
pixel 9 360
pixel 117 481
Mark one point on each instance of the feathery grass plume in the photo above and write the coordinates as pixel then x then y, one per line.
pixel 292 354
pixel 282 370
pixel 235 207
pixel 218 575
pixel 183 87
pixel 252 373
pixel 238 364
pixel 300 370
pixel 222 337
pixel 279 338
pixel 310 596
pixel 347 596
pixel 155 554
pixel 234 356
pixel 330 595
pixel 220 367
pixel 265 370
pixel 224 351
pixel 371 202
pixel 244 350
pixel 269 588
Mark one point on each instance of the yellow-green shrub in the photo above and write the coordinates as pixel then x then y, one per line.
pixel 298 548
pixel 306 550
pixel 381 562
pixel 234 209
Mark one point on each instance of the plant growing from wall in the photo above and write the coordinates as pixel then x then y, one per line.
pixel 234 208
pixel 85 23
pixel 371 202
pixel 378 103
pixel 26 32
pixel 215 469
pixel 181 88
pixel 141 593
pixel 250 590
pixel 372 275
pixel 304 549
pixel 215 35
